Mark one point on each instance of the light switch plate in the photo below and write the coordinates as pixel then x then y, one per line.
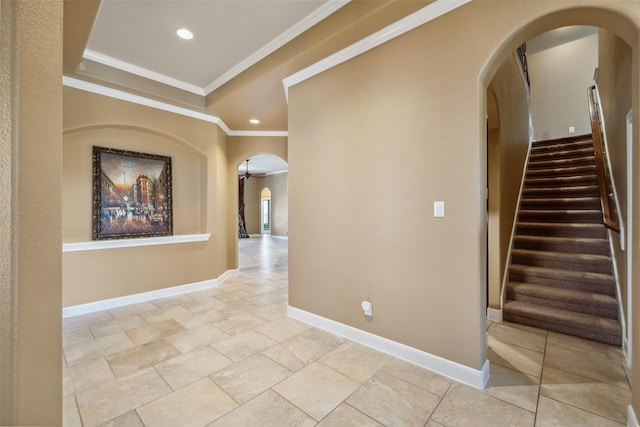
pixel 438 209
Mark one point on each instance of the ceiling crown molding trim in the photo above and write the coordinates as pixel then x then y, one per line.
pixel 140 71
pixel 309 21
pixel 408 23
pixel 141 100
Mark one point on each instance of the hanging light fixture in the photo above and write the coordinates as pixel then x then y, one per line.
pixel 246 174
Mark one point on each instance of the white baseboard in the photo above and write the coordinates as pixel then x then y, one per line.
pixel 632 421
pixel 106 304
pixel 494 314
pixel 473 377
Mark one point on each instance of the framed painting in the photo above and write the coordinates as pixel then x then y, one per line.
pixel 132 195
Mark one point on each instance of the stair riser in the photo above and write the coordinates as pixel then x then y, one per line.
pixel 564 204
pixel 560 172
pixel 587 285
pixel 601 336
pixel 584 217
pixel 565 144
pixel 570 246
pixel 565 192
pixel 559 182
pixel 560 163
pixel 545 155
pixel 574 264
pixel 561 230
pixel 610 312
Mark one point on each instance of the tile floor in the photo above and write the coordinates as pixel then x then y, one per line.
pixel 229 356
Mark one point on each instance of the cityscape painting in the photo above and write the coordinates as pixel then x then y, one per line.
pixel 132 194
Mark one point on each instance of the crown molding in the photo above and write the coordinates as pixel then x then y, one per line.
pixel 309 21
pixel 140 71
pixel 164 106
pixel 390 32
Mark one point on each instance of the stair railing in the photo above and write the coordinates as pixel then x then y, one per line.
pixel 609 215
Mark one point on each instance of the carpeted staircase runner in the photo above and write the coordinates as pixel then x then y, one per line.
pixel 561 273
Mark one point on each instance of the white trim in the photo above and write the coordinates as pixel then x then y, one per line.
pixel 92 307
pixel 408 23
pixel 495 315
pixel 140 71
pixel 473 377
pixel 316 16
pixel 159 105
pixel 632 421
pixel 129 243
pixel 616 277
pixel 629 237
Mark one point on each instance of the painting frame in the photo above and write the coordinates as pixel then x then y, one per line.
pixel 132 194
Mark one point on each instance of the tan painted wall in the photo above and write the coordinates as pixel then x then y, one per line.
pixel 200 180
pixel 412 128
pixel 508 145
pixel 279 186
pixel 614 86
pixel 30 213
pixel 560 77
pixel 252 188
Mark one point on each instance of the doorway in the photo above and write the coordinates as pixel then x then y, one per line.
pixel 265 211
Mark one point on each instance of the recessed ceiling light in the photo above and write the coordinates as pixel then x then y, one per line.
pixel 254 121
pixel 183 33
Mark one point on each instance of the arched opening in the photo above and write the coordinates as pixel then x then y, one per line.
pixel 616 62
pixel 265 211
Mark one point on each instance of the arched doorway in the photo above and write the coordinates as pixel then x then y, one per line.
pixel 265 211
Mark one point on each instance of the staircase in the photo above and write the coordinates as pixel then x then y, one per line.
pixel 561 273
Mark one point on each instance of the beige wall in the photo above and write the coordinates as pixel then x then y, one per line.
pixel 508 144
pixel 615 88
pixel 200 202
pixel 252 188
pixel 560 77
pixel 414 131
pixel 30 213
pixel 278 185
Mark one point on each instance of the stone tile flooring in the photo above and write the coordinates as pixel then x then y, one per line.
pixel 229 356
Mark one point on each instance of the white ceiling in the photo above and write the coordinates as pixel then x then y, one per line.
pixel 264 163
pixel 558 37
pixel 229 36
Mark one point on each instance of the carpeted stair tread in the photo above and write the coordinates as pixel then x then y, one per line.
pixel 560 215
pixel 562 153
pixel 571 141
pixel 563 244
pixel 563 260
pixel 567 299
pixel 577 280
pixel 597 231
pixel 535 164
pixel 562 181
pixel 566 171
pixel 560 203
pixel 568 322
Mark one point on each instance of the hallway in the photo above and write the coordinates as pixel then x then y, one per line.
pixel 229 356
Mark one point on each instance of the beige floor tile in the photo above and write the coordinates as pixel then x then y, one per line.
pixel 356 361
pixel 141 356
pixel 85 375
pixel 271 312
pixel 266 410
pixel 207 292
pixel 237 307
pixel 345 415
pixel 513 387
pixel 432 423
pixel 239 323
pixel 463 406
pixel 555 414
pixel 514 357
pixel 520 337
pixel 192 366
pixel 94 349
pixel 593 365
pixel 316 389
pixel 237 347
pixel 260 289
pixel 85 319
pixel 195 405
pixel 526 328
pixel 130 419
pixel 154 331
pixel 120 324
pixel 416 375
pixel 70 415
pixel 599 398
pixel 393 401
pixel 236 295
pixel 129 309
pixel 196 337
pixel 250 377
pixel 195 320
pixel 171 301
pixel 283 328
pixel 232 285
pixel 273 297
pixel 163 313
pixel 298 351
pixel 76 335
pixel 585 346
pixel 201 304
pixel 107 401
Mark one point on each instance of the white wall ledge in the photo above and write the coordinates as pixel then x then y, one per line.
pixel 130 243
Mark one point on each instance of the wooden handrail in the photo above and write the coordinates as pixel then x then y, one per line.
pixel 609 218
